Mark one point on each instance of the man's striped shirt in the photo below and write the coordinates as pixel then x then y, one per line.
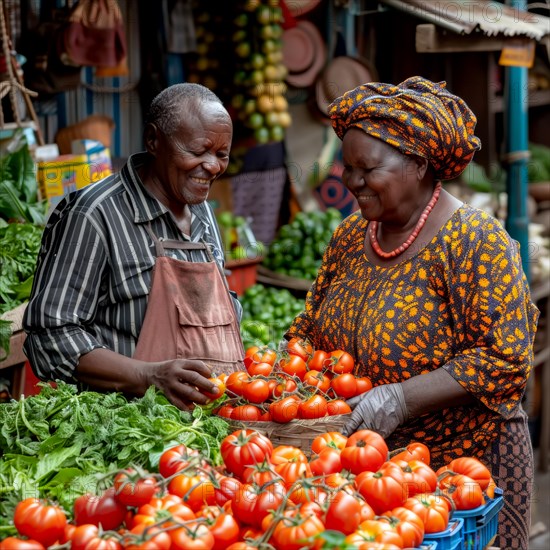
pixel 94 270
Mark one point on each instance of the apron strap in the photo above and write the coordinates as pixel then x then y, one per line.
pixel 162 245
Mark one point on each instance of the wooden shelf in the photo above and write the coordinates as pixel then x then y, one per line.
pixel 540 98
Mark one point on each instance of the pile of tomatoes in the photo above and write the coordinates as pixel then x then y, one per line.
pixel 351 493
pixel 298 383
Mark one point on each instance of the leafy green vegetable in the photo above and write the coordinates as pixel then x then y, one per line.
pixel 63 443
pixel 18 184
pixel 19 247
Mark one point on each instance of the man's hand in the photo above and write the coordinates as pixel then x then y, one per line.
pixel 182 381
pixel 381 409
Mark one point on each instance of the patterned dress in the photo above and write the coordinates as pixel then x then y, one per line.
pixel 460 302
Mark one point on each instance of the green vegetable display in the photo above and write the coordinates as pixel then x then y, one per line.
pixel 267 314
pixel 63 443
pixel 299 246
pixel 18 185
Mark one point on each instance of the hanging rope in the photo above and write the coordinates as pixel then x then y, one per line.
pixel 10 86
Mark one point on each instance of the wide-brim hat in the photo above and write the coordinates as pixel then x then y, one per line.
pixel 304 54
pixel 342 74
pixel 297 8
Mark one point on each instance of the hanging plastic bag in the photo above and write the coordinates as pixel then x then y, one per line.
pixel 95 35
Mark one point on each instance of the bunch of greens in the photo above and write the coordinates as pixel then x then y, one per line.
pixel 61 443
pixel 19 199
pixel 19 246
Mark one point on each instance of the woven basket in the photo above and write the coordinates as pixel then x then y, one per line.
pixel 299 433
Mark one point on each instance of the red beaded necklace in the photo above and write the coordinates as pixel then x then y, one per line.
pixel 373 229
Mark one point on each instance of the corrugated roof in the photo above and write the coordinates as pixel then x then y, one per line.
pixel 468 16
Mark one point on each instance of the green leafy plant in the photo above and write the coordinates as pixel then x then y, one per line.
pixel 18 184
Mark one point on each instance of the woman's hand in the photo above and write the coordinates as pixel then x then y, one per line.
pixel 182 381
pixel 381 409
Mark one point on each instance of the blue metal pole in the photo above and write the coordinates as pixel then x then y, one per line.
pixel 517 141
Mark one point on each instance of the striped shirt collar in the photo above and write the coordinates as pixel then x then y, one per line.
pixel 147 208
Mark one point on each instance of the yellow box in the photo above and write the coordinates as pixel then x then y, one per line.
pixel 59 177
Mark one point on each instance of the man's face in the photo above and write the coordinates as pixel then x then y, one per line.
pixel 188 161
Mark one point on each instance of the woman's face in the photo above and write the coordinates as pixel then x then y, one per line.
pixel 187 162
pixel 385 182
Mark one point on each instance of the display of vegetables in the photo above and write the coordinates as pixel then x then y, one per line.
pixel 61 443
pixel 343 492
pixel 299 246
pixel 267 314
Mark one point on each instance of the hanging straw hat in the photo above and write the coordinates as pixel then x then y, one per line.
pixel 304 53
pixel 341 75
pixel 297 8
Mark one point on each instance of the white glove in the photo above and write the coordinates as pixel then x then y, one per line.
pixel 381 409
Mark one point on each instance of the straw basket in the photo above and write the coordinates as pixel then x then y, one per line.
pixel 299 433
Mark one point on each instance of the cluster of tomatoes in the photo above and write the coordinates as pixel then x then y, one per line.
pixel 351 493
pixel 298 383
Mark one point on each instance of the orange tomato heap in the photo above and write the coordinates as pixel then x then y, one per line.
pixel 300 382
pixel 350 491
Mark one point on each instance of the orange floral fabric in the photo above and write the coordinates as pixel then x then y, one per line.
pixel 460 303
pixel 417 117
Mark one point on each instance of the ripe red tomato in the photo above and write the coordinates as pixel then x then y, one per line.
pixel 256 390
pixel 102 510
pixel 408 525
pixel 344 385
pixel 365 450
pixel 314 407
pixel 300 347
pixel 262 369
pixel 318 360
pixel 340 362
pixel 326 462
pixel 193 536
pixel 432 510
pixel 220 384
pixel 364 384
pixel 243 448
pixel 462 490
pixel 344 513
pixel 284 410
pixel 471 467
pixel 225 488
pixel 236 380
pixel 413 451
pixel 13 543
pixel 337 406
pixel 257 354
pixel 196 489
pixel 252 504
pixel 317 379
pixel 293 365
pixel 86 537
pixel 133 489
pixel 225 410
pixel 335 440
pixel 176 459
pixel 40 521
pixel 384 489
pixel 247 413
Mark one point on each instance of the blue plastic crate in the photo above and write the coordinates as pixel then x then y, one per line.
pixel 431 545
pixel 481 523
pixel 450 539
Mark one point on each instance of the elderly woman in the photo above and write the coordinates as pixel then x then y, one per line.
pixel 427 293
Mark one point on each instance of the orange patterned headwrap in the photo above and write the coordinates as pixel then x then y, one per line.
pixel 417 117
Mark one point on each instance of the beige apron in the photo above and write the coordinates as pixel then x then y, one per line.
pixel 190 314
